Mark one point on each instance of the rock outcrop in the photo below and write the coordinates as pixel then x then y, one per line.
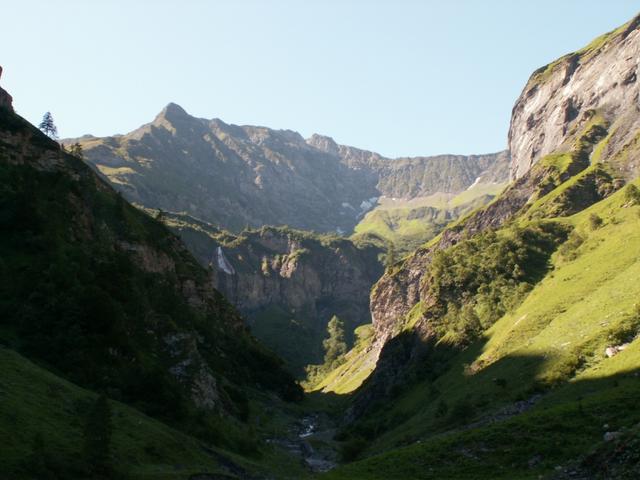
pixel 562 97
pixel 5 99
pixel 287 283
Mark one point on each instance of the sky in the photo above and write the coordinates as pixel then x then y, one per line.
pixel 400 77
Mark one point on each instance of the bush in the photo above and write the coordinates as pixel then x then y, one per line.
pixel 595 221
pixel 481 278
pixel 632 195
pixel 568 250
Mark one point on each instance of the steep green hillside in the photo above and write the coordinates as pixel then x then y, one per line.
pixel 546 356
pixel 38 403
pixel 407 224
pixel 108 298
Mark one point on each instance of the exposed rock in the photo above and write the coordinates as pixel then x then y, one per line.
pixel 276 275
pixel 5 99
pixel 609 436
pixel 615 349
pixel 237 176
pixel 557 100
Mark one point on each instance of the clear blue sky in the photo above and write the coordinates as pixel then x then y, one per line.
pixel 398 77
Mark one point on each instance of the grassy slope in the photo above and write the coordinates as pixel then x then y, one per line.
pixel 408 224
pixel 35 400
pixel 556 337
pixel 358 365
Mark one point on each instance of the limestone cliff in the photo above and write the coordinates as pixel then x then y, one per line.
pixel 564 95
pixel 576 126
pixel 288 283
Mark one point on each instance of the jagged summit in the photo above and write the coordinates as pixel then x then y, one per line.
pixel 173 112
pixel 324 143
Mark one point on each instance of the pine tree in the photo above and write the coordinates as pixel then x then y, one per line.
pixel 97 439
pixel 390 258
pixel 48 127
pixel 335 346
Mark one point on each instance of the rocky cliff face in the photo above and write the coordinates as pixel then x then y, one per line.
pixel 238 176
pixel 576 124
pixel 561 97
pixel 288 283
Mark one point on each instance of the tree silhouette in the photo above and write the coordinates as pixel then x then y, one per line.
pixel 48 127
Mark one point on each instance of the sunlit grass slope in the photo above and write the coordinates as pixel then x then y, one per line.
pixel 544 360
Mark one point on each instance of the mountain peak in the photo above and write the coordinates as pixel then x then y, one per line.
pixel 173 112
pixel 324 143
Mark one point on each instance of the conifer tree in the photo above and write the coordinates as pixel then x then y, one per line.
pixel 334 346
pixel 390 258
pixel 48 127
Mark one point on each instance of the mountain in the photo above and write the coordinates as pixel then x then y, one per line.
pixel 508 346
pixel 238 176
pixel 596 84
pixel 287 283
pixel 96 296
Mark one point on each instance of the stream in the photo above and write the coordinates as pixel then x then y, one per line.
pixel 311 439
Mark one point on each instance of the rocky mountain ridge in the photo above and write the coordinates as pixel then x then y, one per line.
pixel 238 176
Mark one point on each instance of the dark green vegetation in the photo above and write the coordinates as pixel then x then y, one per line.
pixel 289 283
pixel 104 296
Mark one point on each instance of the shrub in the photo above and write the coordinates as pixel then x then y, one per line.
pixel 568 250
pixel 441 408
pixel 478 280
pixel 595 221
pixel 632 195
